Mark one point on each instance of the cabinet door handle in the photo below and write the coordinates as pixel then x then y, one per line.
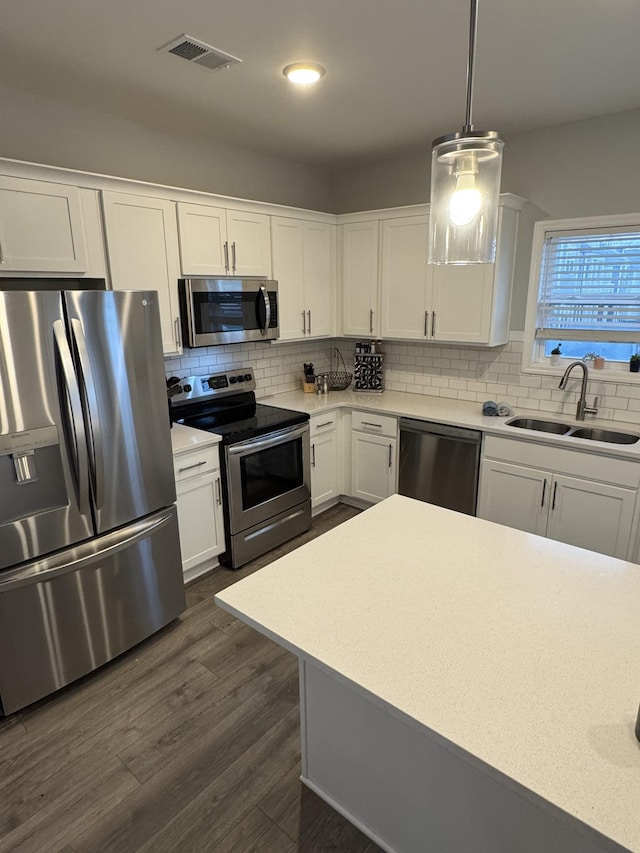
pixel 370 321
pixel 426 324
pixel 433 324
pixel 1 254
pixel 195 465
pixel 226 256
pixel 304 322
pixel 233 256
pixel 555 489
pixel 176 328
pixel 369 424
pixel 390 455
pixel 544 489
pixel 313 456
pixel 309 313
pixel 218 492
pixel 326 423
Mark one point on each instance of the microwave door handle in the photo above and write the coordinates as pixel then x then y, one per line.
pixel 96 444
pixel 267 310
pixel 78 451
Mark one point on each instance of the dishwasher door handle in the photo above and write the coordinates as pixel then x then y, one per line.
pixel 430 428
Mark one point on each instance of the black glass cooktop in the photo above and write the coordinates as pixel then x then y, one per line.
pixel 266 419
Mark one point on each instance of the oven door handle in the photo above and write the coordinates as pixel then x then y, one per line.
pixel 270 440
pixel 267 310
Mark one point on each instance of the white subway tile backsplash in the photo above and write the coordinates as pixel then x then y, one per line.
pixel 465 373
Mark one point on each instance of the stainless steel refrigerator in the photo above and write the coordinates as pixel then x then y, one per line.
pixel 89 551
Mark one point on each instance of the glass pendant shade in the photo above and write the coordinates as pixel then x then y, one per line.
pixel 465 190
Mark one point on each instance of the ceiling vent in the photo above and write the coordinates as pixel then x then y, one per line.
pixel 199 53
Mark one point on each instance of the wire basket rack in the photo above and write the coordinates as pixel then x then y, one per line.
pixel 339 380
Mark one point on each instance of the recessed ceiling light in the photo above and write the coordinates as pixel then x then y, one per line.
pixel 303 73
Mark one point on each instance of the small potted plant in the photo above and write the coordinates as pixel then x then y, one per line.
pixel 595 358
pixel 556 355
pixel 634 362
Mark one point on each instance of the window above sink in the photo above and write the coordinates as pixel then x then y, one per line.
pixel 584 293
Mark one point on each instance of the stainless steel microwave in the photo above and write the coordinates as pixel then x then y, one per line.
pixel 228 310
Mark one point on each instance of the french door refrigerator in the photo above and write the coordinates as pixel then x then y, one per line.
pixel 89 552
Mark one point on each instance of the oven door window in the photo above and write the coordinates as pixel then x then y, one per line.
pixel 270 473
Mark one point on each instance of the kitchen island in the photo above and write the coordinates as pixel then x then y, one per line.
pixel 464 686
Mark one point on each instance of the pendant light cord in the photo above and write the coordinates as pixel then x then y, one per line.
pixel 473 28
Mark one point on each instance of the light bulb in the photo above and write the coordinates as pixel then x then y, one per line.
pixel 466 200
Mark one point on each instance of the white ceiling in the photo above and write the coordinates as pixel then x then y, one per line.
pixel 395 68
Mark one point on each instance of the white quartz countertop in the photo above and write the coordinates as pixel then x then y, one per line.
pixel 459 413
pixel 184 438
pixel 521 651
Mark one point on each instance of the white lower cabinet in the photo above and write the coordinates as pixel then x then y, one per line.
pixel 326 470
pixel 578 510
pixel 200 517
pixel 374 447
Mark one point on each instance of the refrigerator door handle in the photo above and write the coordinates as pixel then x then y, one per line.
pixel 83 555
pixel 96 444
pixel 78 442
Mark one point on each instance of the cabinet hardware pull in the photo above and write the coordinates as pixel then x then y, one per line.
pixel 426 324
pixel 309 313
pixel 433 324
pixel 368 423
pixel 390 454
pixel 226 256
pixel 304 322
pixel 326 423
pixel 1 254
pixel 370 321
pixel 555 489
pixel 544 489
pixel 176 328
pixel 233 256
pixel 218 491
pixel 313 456
pixel 195 465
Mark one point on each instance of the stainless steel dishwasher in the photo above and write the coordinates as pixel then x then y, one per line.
pixel 439 464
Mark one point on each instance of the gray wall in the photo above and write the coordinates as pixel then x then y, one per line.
pixel 581 168
pixel 43 130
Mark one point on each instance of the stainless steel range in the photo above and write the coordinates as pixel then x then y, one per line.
pixel 265 460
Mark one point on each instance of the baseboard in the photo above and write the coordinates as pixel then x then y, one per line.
pixel 199 570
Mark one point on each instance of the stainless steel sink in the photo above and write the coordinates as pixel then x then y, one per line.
pixel 595 434
pixel 539 425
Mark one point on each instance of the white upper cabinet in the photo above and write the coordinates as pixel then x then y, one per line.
pixel 386 259
pixel 203 239
pixel 142 250
pixel 403 277
pixel 303 267
pixel 41 227
pixel 360 314
pixel 471 302
pixel 217 241
pixel 461 302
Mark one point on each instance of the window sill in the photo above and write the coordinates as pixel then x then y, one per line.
pixel 608 374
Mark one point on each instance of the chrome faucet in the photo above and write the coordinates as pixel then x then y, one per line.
pixel 582 409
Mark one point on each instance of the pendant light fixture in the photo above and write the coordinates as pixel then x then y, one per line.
pixel 465 185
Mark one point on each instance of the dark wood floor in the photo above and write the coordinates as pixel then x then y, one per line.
pixel 188 743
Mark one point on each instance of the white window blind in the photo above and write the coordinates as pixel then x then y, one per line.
pixel 590 286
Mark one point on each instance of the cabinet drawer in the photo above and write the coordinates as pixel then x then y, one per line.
pixel 195 462
pixel 374 423
pixel 324 422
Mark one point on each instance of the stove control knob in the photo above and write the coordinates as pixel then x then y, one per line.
pixel 187 388
pixel 241 378
pixel 247 377
pixel 232 380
